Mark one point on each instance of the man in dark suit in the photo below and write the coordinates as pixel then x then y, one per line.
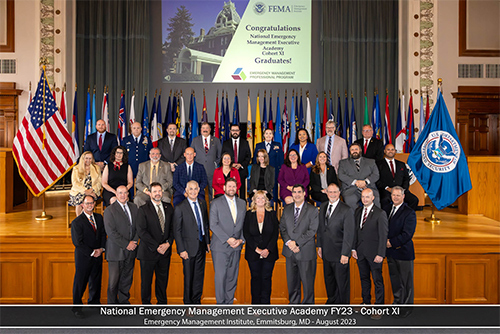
pixel 208 152
pixel 187 171
pixel 335 240
pixel 192 237
pixel 371 147
pixel 172 147
pixel 298 226
pixel 370 241
pixel 240 151
pixel 100 143
pixel 275 153
pixel 356 174
pixel 393 173
pixel 227 214
pixel 89 238
pixel 155 229
pixel 138 147
pixel 400 252
pixel 120 222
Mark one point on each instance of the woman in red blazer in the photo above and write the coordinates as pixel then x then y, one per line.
pixel 222 173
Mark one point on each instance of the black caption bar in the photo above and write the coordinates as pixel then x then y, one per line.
pixel 250 316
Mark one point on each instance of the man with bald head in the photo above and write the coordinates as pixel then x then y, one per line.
pixel 120 223
pixel 138 147
pixel 393 173
pixel 100 143
pixel 370 244
pixel 187 171
pixel 371 147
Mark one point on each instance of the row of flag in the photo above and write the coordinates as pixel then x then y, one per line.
pixel 44 150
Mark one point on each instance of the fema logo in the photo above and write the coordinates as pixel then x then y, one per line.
pixel 238 74
pixel 259 8
pixel 440 152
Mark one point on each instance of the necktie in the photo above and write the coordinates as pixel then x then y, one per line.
pixel 206 145
pixel 233 210
pixel 296 216
pixel 392 168
pixel 100 142
pixel 190 174
pixel 358 166
pixel 329 148
pixel 268 147
pixel 161 218
pixel 137 141
pixel 153 177
pixel 126 214
pixel 329 211
pixel 364 217
pixel 92 223
pixel 392 212
pixel 171 144
pixel 366 146
pixel 235 151
pixel 201 232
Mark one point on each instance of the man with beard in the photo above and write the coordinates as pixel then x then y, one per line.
pixel 154 227
pixel 172 147
pixel 240 151
pixel 151 171
pixel 356 174
pixel 393 173
pixel 227 214
pixel 208 152
pixel 193 241
pixel 333 145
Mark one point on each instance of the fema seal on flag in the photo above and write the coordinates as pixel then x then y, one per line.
pixel 440 152
pixel 259 8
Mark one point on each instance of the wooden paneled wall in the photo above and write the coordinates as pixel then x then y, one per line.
pixel 451 272
pixel 9 108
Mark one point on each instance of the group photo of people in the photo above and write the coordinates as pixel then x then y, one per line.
pixel 310 200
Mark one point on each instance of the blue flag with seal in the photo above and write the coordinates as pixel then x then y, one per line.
pixel 438 160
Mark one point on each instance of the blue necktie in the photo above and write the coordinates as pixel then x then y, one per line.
pixel 189 173
pixel 201 232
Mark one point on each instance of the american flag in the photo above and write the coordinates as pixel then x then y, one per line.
pixel 43 148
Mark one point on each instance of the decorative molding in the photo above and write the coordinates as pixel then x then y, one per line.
pixel 47 36
pixel 427 47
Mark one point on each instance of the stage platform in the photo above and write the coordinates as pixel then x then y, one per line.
pixel 457 261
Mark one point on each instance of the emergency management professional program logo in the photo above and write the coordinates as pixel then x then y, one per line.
pixel 440 152
pixel 259 8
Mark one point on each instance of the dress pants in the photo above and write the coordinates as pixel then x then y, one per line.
pixel 298 272
pixel 261 272
pixel 401 274
pixel 121 274
pixel 337 282
pixel 87 270
pixel 160 269
pixel 194 274
pixel 352 197
pixel 365 268
pixel 226 265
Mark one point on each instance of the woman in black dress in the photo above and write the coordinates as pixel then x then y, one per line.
pixel 321 176
pixel 117 172
pixel 262 175
pixel 261 234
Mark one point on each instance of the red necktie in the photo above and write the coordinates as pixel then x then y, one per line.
pixel 235 152
pixel 206 145
pixel 100 142
pixel 392 168
pixel 364 217
pixel 366 146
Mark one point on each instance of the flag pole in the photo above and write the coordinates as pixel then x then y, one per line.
pixel 44 216
pixel 432 219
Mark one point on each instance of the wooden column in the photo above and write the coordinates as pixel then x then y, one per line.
pixel 6 180
pixel 9 110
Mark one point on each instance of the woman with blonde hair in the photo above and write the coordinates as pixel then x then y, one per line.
pixel 85 180
pixel 261 234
